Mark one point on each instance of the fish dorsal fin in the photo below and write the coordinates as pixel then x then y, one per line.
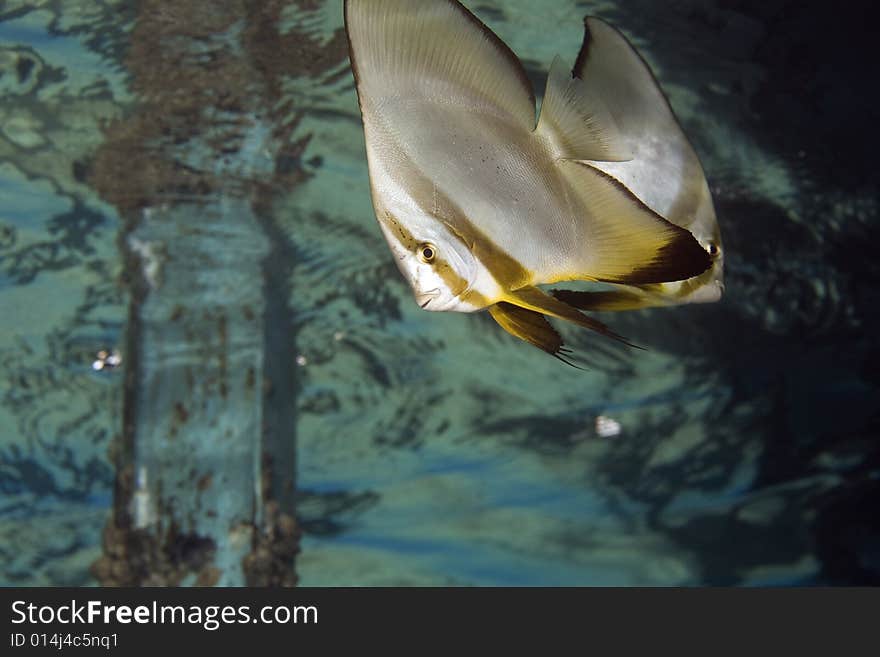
pixel 627 241
pixel 406 51
pixel 576 121
pixel 665 172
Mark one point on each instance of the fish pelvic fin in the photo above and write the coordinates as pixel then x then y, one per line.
pixel 576 121
pixel 629 243
pixel 536 300
pixel 531 327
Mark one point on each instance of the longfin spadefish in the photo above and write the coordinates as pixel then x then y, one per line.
pixel 628 242
pixel 576 121
pixel 406 51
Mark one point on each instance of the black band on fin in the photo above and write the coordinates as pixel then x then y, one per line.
pixel 603 301
pixel 630 243
pixel 584 54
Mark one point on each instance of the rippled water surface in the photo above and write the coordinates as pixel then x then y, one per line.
pixel 180 180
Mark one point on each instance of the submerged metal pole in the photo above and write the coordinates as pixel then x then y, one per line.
pixel 191 487
pixel 206 459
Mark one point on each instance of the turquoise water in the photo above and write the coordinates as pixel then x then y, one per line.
pixel 426 448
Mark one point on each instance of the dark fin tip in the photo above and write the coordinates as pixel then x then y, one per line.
pixel 592 301
pixel 572 298
pixel 625 341
pixel 351 57
pixel 579 299
pixel 679 259
pixel 601 328
pixel 584 54
pixel 569 363
pixel 532 327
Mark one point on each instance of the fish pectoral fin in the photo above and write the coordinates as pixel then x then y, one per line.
pixel 606 300
pixel 433 51
pixel 628 242
pixel 577 121
pixel 531 327
pixel 536 300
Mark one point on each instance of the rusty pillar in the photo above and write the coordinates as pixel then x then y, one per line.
pixel 206 458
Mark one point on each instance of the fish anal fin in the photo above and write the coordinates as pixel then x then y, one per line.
pixel 604 301
pixel 535 299
pixel 628 242
pixel 576 121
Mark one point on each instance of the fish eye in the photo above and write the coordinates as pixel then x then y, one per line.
pixel 427 253
pixel 713 249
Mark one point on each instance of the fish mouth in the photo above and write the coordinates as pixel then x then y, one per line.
pixel 427 297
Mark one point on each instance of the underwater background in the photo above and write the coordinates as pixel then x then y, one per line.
pixel 183 187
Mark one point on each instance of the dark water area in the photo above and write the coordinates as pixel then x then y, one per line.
pixel 184 186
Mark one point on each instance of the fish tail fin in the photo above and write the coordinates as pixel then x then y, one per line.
pixel 536 300
pixel 577 122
